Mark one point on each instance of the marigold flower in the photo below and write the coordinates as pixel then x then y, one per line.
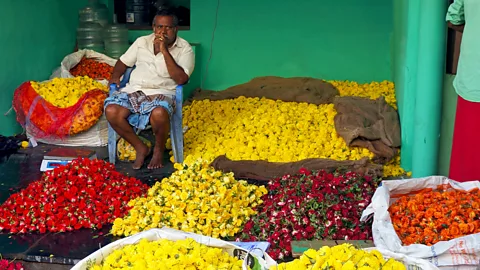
pixel 431 216
pixel 65 92
pixel 195 198
pixel 275 131
pixel 344 257
pixel 167 254
pixel 92 68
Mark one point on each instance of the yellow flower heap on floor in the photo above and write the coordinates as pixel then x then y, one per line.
pixel 276 131
pixel 371 90
pixel 392 168
pixel 194 198
pixel 65 92
pixel 167 254
pixel 126 152
pixel 342 257
pixel 264 129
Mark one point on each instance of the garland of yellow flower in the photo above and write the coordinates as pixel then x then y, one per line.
pixel 167 254
pixel 345 257
pixel 194 198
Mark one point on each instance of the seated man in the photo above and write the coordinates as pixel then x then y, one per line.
pixel 162 62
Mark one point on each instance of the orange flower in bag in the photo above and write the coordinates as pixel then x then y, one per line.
pixel 44 119
pixel 436 215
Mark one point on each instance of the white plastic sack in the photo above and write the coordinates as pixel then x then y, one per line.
pixel 73 59
pixel 174 235
pixel 409 262
pixel 94 137
pixel 459 251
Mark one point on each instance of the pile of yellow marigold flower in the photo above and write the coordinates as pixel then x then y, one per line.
pixel 371 90
pixel 126 152
pixel 65 92
pixel 195 198
pixel 264 129
pixel 345 257
pixel 167 254
pixel 276 131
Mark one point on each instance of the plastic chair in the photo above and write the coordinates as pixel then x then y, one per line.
pixel 176 128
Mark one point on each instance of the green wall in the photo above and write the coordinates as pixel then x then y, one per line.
pixel 35 36
pixel 343 39
pixel 404 70
pixel 449 107
pixel 329 39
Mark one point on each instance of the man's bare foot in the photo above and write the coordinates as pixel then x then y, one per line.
pixel 142 152
pixel 157 158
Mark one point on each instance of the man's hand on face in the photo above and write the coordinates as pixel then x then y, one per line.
pixel 160 42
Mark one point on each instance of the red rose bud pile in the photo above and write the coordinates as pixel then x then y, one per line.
pixel 7 265
pixel 83 194
pixel 311 205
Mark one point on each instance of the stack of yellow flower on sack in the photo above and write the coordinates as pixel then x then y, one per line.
pixel 263 129
pixel 195 198
pixel 371 90
pixel 276 131
pixel 345 257
pixel 65 92
pixel 167 254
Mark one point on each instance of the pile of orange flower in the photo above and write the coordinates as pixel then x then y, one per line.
pixel 431 216
pixel 93 69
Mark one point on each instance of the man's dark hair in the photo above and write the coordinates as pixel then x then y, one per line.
pixel 167 12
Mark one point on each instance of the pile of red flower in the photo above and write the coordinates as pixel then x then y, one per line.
pixel 83 194
pixel 6 265
pixel 92 68
pixel 311 205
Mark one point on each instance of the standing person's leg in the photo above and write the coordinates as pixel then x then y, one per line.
pixel 465 157
pixel 117 117
pixel 160 121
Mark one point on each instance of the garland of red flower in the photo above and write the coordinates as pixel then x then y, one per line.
pixel 83 194
pixel 311 205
